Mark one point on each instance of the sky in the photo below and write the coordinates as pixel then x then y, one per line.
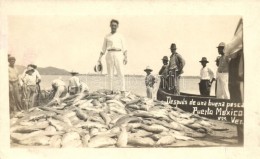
pixel 75 42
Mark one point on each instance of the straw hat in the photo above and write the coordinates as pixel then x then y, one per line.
pixel 148 69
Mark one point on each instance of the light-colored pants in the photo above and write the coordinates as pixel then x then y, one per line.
pixel 222 86
pixel 114 60
pixel 149 92
pixel 30 96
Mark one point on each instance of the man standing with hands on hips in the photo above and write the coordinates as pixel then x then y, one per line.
pixel 116 55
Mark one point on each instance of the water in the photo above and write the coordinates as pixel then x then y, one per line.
pixel 134 84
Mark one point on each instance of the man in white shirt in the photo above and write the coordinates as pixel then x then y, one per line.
pixel 14 91
pixel 34 83
pixel 206 74
pixel 59 91
pixel 115 47
pixel 74 83
pixel 29 86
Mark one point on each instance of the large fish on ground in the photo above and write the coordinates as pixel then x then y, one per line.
pixel 166 140
pixel 55 141
pixel 139 141
pixel 122 137
pixel 36 141
pixel 101 141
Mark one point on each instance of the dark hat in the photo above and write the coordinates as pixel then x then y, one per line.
pixel 74 72
pixel 148 69
pixel 222 44
pixel 173 46
pixel 33 66
pixel 11 58
pixel 165 58
pixel 203 59
pixel 98 67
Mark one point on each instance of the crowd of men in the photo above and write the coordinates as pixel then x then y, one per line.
pixel 25 91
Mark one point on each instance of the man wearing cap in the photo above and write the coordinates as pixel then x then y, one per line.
pixel 206 74
pixel 222 87
pixel 116 54
pixel 163 73
pixel 14 95
pixel 175 68
pixel 149 82
pixel 74 83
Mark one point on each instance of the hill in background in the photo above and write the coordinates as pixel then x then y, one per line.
pixel 45 71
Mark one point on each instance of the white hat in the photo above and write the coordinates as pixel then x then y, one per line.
pixel 148 69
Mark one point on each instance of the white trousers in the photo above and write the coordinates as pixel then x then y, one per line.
pixel 149 92
pixel 222 86
pixel 114 60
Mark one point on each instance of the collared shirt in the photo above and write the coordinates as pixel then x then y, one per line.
pixel 206 73
pixel 114 41
pixel 13 74
pixel 74 82
pixel 149 80
pixel 57 83
pixel 176 62
pixel 29 80
pixel 223 64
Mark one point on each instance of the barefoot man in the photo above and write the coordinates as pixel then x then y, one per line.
pixel 116 55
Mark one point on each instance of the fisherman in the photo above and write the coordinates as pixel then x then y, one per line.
pixel 59 91
pixel 29 87
pixel 74 83
pixel 163 73
pixel 116 55
pixel 36 77
pixel 175 68
pixel 14 95
pixel 206 78
pixel 222 87
pixel 149 82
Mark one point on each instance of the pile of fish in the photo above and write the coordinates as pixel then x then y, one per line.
pixel 107 119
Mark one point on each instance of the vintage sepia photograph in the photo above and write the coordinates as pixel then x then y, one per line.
pixel 125 81
pixel 129 79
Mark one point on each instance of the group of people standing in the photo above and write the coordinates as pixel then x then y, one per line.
pixel 25 90
pixel 116 56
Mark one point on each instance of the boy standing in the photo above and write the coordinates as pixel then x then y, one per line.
pixel 149 82
pixel 206 74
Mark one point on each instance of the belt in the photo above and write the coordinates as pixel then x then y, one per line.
pixel 114 50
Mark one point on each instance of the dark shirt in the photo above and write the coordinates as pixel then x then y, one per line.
pixel 176 63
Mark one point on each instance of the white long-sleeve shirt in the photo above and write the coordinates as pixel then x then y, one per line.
pixel 114 41
pixel 74 82
pixel 206 73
